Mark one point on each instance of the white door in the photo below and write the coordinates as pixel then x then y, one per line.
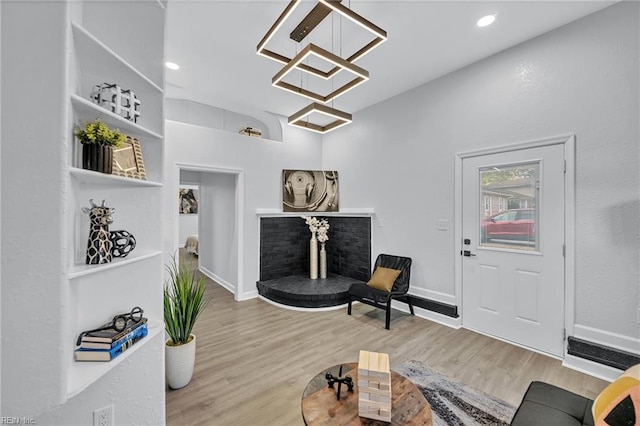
pixel 513 246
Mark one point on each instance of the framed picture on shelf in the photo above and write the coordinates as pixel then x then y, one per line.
pixel 127 160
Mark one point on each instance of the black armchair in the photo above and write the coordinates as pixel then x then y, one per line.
pixel 380 298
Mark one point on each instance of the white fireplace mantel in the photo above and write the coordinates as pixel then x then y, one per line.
pixel 357 212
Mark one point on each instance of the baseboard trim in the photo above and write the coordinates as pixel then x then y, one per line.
pixel 591 368
pixel 220 281
pixel 601 354
pixel 606 338
pixel 434 306
pixel 248 295
pixel 428 315
pixel 432 295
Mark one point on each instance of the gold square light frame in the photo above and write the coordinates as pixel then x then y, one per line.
pixel 342 118
pixel 362 75
pixel 379 33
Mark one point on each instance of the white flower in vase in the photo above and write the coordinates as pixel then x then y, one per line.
pixel 323 229
pixel 312 222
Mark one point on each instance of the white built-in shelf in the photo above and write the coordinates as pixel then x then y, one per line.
pixel 364 211
pixel 103 58
pixel 88 111
pixel 81 270
pixel 97 54
pixel 83 374
pixel 98 178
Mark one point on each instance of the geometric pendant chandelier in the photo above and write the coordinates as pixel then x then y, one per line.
pixel 300 62
pixel 361 75
pixel 322 9
pixel 340 118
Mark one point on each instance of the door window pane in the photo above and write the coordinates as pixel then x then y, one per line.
pixel 509 207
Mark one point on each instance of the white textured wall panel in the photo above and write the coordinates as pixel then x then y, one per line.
pixel 398 156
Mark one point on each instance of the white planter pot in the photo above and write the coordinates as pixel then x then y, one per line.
pixel 180 361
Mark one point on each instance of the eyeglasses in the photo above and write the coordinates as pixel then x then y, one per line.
pixel 118 323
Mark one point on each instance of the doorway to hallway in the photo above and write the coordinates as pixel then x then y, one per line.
pixel 219 225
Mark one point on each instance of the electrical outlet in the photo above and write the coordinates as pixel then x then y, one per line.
pixel 442 225
pixel 103 416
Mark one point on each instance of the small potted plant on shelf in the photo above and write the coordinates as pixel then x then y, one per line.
pixel 184 301
pixel 98 141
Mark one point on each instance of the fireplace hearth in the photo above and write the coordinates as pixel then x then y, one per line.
pixel 284 260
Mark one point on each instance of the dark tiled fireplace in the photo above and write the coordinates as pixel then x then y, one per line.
pixel 284 260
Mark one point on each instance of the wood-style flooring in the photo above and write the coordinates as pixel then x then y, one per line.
pixel 253 359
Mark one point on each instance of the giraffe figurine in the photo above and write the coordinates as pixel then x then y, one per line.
pixel 99 245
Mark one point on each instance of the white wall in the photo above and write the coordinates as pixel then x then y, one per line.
pixel 260 162
pixel 188 226
pixel 190 178
pixel 32 251
pixel 218 242
pixel 0 213
pixel 582 79
pixel 187 111
pixel 134 387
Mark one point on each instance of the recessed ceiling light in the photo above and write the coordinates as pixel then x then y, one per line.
pixel 485 21
pixel 172 65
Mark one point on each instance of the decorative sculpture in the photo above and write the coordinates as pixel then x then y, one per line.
pixel 99 244
pixel 102 245
pixel 119 101
pixel 251 131
pixel 123 243
pixel 347 380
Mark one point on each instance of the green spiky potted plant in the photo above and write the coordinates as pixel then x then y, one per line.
pixel 98 141
pixel 184 301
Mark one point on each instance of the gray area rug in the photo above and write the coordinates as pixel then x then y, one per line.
pixel 455 404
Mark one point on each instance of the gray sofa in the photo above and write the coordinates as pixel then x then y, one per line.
pixel 545 404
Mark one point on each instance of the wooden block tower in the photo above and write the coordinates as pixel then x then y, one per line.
pixel 374 386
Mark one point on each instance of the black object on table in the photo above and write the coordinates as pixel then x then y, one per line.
pixel 347 380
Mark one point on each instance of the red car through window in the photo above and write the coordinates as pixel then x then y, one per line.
pixel 516 224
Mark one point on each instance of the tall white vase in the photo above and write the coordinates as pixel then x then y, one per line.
pixel 180 361
pixel 313 257
pixel 323 262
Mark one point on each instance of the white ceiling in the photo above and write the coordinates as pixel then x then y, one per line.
pixel 215 42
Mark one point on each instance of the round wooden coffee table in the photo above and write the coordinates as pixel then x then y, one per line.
pixel 320 407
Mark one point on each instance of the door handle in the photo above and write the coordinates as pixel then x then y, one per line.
pixel 467 253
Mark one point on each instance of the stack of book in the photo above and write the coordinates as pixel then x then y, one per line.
pixel 105 345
